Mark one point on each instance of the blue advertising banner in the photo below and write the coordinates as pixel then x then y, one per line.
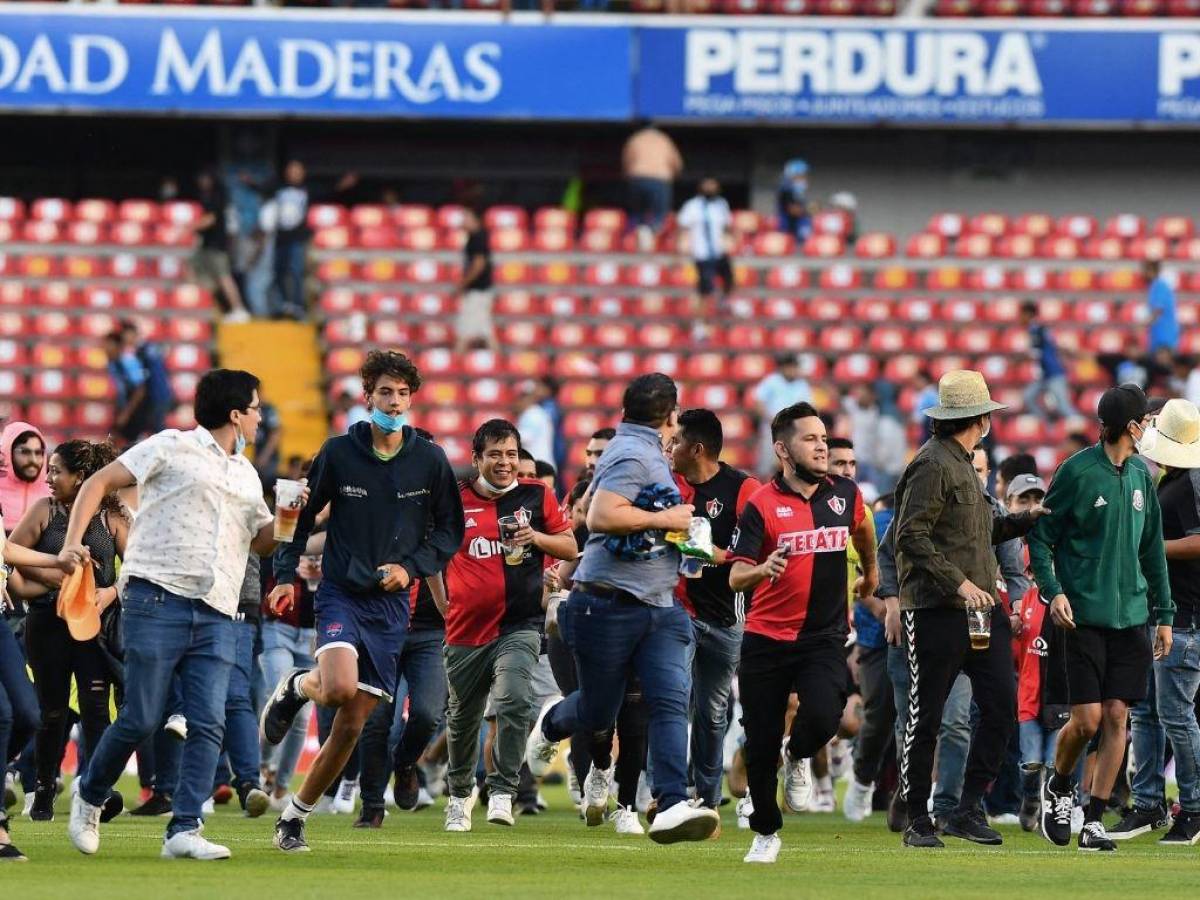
pixel 1021 73
pixel 271 62
pixel 275 63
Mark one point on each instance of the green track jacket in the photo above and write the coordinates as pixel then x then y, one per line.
pixel 1102 543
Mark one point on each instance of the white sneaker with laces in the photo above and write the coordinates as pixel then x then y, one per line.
pixel 856 805
pixel 744 809
pixel 573 784
pixel 500 809
pixel 797 781
pixel 176 727
pixel 209 808
pixel 596 788
pixel 347 794
pixel 458 813
pixel 84 827
pixel 765 849
pixel 626 821
pixel 823 799
pixel 279 804
pixel 684 822
pixel 324 806
pixel 192 845
pixel 643 794
pixel 841 757
pixel 1004 819
pixel 539 750
pixel 1077 818
pixel 424 800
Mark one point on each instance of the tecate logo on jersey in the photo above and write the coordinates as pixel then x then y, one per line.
pixel 482 548
pixel 851 62
pixel 822 540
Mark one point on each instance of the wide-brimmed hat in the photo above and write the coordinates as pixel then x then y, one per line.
pixel 77 603
pixel 963 394
pixel 1173 438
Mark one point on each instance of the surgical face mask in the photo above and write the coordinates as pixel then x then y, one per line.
pixel 488 486
pixel 385 423
pixel 239 442
pixel 987 429
pixel 800 472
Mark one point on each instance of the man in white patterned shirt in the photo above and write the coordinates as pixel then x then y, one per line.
pixel 200 511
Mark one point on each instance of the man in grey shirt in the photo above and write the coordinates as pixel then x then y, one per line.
pixel 622 613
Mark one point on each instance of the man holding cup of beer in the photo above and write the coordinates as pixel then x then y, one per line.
pixel 495 615
pixel 944 536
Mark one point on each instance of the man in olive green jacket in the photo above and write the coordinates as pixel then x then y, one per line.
pixel 1099 557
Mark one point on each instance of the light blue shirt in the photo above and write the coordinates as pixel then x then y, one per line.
pixel 775 393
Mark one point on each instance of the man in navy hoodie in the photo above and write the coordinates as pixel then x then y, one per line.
pixel 395 516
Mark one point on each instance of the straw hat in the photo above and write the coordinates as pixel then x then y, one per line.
pixel 1173 438
pixel 77 604
pixel 963 394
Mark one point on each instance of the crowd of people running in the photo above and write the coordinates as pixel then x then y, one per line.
pixel 965 650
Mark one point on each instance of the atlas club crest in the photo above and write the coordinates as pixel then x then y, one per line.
pixel 838 505
pixel 714 508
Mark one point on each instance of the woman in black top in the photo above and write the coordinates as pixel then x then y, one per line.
pixel 55 656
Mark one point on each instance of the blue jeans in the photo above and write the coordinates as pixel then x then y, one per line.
pixel 285 647
pixel 1148 744
pixel 19 713
pixel 241 724
pixel 423 679
pixel 167 634
pixel 291 258
pixel 1038 744
pixel 714 660
pixel 608 635
pixel 1178 679
pixel 954 738
pixel 649 202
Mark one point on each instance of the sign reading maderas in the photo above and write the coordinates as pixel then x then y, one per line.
pixel 293 65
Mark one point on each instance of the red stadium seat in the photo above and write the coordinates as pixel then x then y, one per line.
pixel 143 211
pixel 975 245
pixel 1174 228
pixel 182 213
pixel 789 309
pixel 98 211
pixel 1125 225
pixel 552 241
pixel 603 274
pixel 1016 246
pixel 42 231
pixel 840 277
pixel 774 243
pixel 523 334
pixel 11 209
pixel 327 215
pixel 945 278
pixel 987 278
pixel 604 220
pixel 839 338
pixel 51 209
pixel 926 246
pixel 1060 247
pixel 787 277
pixel 948 225
pixel 875 245
pixel 828 309
pixel 1036 225
pixel 1108 247
pixel 623 364
pixel 551 218
pixel 888 340
pixel 824 246
pixel 856 368
pixel 1156 247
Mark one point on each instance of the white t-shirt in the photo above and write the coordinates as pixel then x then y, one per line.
pixel 537 433
pixel 707 220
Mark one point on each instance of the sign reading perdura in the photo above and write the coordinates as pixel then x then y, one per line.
pixel 372 64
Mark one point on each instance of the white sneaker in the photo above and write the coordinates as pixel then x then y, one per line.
pixel 797 782
pixel 644 795
pixel 236 317
pixel 841 757
pixel 176 727
pixel 684 822
pixel 765 849
pixel 500 809
pixel 744 810
pixel 458 812
pixel 626 821
pixel 347 794
pixel 435 778
pixel 84 827
pixel 540 751
pixel 823 799
pixel 1077 819
pixel 595 794
pixel 856 805
pixel 191 845
pixel 324 806
pixel 1005 819
pixel 424 800
pixel 279 804
pixel 209 808
pixel 573 784
pixel 27 808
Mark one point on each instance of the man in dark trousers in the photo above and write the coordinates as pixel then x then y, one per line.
pixel 719 493
pixel 944 533
pixel 395 515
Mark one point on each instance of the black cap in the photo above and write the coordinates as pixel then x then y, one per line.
pixel 1121 405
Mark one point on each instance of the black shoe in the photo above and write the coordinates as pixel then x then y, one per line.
pixel 10 796
pixel 897 813
pixel 43 804
pixel 922 834
pixel 971 825
pixel 113 807
pixel 407 789
pixel 1137 822
pixel 369 818
pixel 1094 839
pixel 1055 819
pixel 157 805
pixel 254 800
pixel 1184 833
pixel 528 808
pixel 289 836
pixel 1029 813
pixel 9 853
pixel 277 715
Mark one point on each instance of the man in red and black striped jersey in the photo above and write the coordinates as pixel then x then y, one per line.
pixel 719 493
pixel 789 549
pixel 494 618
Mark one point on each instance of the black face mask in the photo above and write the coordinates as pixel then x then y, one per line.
pixel 800 472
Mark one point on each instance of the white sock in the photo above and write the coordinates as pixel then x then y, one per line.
pixel 297 686
pixel 296 809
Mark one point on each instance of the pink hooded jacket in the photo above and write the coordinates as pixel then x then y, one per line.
pixel 16 495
